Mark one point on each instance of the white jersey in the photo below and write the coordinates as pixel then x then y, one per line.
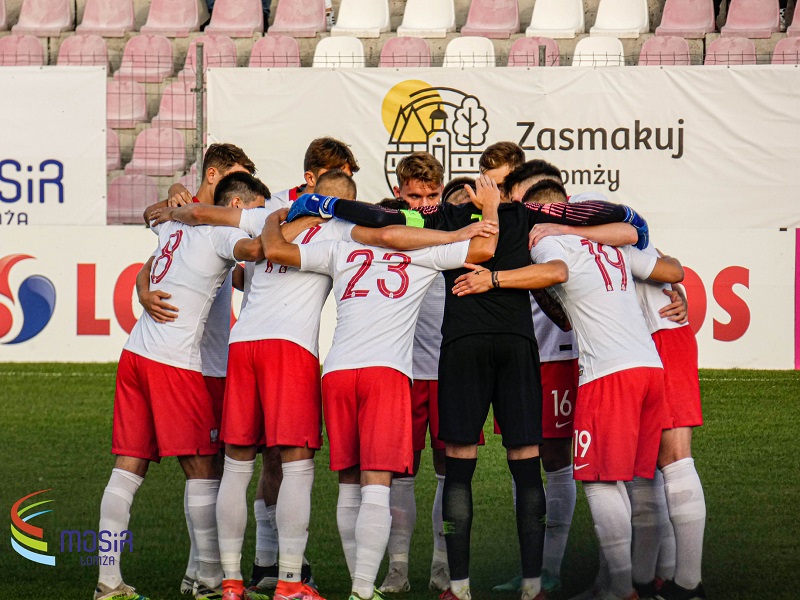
pixel 652 299
pixel 428 333
pixel 378 295
pixel 600 299
pixel 554 344
pixel 191 263
pixel 283 302
pixel 284 197
pixel 214 343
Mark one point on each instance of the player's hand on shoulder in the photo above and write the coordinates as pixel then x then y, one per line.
pixel 543 230
pixel 677 310
pixel 477 281
pixel 153 303
pixel 307 222
pixel 178 196
pixel 485 228
pixel 486 192
pixel 161 215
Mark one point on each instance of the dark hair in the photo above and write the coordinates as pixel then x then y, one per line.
pixel 421 166
pixel 456 185
pixel 328 153
pixel 243 185
pixel 394 203
pixel 502 153
pixel 336 183
pixel 224 157
pixel 545 192
pixel 533 169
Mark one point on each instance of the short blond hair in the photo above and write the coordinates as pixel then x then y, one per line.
pixel 421 166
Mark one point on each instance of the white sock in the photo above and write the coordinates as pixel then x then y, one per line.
pixel 266 534
pixel 191 566
pixel 439 545
pixel 372 536
pixel 687 511
pixel 561 497
pixel 649 511
pixel 293 513
pixel 460 587
pixel 665 568
pixel 608 503
pixel 232 514
pixel 202 500
pixel 403 507
pixel 115 514
pixel 347 509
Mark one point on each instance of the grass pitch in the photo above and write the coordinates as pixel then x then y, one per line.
pixel 56 434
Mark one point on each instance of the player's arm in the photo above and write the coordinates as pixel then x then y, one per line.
pixel 667 270
pixel 611 234
pixel 177 195
pixel 276 248
pixel 362 213
pixel 678 308
pixel 401 237
pixel 487 196
pixel 237 278
pixel 249 249
pixel 153 301
pixel 553 309
pixel 198 214
pixel 531 277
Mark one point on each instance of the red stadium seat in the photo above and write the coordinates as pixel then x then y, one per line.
pixel 405 52
pixel 787 52
pixel 83 50
pixel 794 28
pixel 109 18
pixel 275 51
pixel 428 18
pixel 178 107
pixel 731 51
pixel 146 59
pixel 44 18
pixel 362 18
pixel 236 18
pixel 21 51
pixel 218 51
pixel 126 104
pixel 687 18
pixel 173 18
pixel 299 18
pixel 752 19
pixel 665 50
pixel 128 196
pixel 3 16
pixel 113 159
pixel 158 151
pixel 189 181
pixel 525 52
pixel 492 18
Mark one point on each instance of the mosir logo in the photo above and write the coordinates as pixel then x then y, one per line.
pixel 35 299
pixel 27 539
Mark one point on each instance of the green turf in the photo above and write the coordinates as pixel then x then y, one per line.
pixel 56 433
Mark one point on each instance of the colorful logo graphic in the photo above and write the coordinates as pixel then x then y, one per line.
pixel 36 297
pixel 27 540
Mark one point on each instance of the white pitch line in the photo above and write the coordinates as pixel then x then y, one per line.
pixel 44 374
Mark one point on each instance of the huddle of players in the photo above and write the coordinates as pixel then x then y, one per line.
pixel 272 395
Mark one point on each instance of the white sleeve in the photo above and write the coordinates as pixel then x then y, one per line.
pixel 641 263
pixel 224 240
pixel 548 249
pixel 445 257
pixel 156 228
pixel 318 257
pixel 252 221
pixel 343 229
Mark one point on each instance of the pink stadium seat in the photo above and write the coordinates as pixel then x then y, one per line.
pixel 128 196
pixel 113 159
pixel 83 50
pixel 178 107
pixel 173 18
pixel 405 52
pixel 275 51
pixel 687 18
pixel 787 52
pixel 44 18
pixel 126 104
pixel 492 18
pixel 752 19
pixel 731 51
pixel 665 50
pixel 147 59
pixel 236 18
pixel 299 18
pixel 189 181
pixel 3 16
pixel 218 51
pixel 109 18
pixel 158 151
pixel 525 52
pixel 21 51
pixel 794 28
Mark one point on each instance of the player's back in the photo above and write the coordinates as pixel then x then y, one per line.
pixel 428 332
pixel 652 299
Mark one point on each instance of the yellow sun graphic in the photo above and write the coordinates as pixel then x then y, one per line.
pixel 410 124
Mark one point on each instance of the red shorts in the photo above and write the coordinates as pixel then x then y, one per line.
pixel 161 410
pixel 216 388
pixel 618 423
pixel 368 419
pixel 272 396
pixel 678 351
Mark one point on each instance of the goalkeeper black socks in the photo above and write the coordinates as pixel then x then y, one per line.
pixel 457 513
pixel 531 514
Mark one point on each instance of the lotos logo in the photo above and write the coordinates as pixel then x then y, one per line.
pixel 36 296
pixel 26 539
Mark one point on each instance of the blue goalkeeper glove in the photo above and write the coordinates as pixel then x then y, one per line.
pixel 313 205
pixel 635 219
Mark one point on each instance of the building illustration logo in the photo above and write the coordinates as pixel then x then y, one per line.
pixel 27 539
pixel 36 298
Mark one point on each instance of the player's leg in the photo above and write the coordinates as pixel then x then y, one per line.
pixel 372 531
pixel 265 561
pixel 648 518
pixel 347 509
pixel 440 573
pixel 561 495
pixel 460 463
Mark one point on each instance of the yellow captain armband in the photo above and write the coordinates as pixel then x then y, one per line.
pixel 413 218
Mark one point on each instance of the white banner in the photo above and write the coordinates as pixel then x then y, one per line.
pixel 52 146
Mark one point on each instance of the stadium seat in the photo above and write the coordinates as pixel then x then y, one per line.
pixel 731 51
pixel 598 52
pixel 173 18
pixel 787 52
pixel 557 19
pixel 236 18
pixel 218 51
pixel 83 50
pixel 126 104
pixel 275 51
pixel 109 18
pixel 405 52
pixel 469 51
pixel 189 181
pixel 428 19
pixel 178 107
pixel 3 16
pixel 362 18
pixel 299 18
pixel 146 59
pixel 158 151
pixel 622 18
pixel 21 51
pixel 687 18
pixel 44 18
pixel 794 28
pixel 751 19
pixel 665 50
pixel 492 18
pixel 525 52
pixel 128 196
pixel 339 52
pixel 113 159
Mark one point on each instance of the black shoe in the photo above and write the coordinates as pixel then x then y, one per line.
pixel 646 591
pixel 672 591
pixel 266 22
pixel 264 578
pixel 307 578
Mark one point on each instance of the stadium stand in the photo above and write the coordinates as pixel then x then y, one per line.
pixel 189 181
pixel 362 18
pixel 405 52
pixel 44 18
pixel 525 52
pixel 598 52
pixel 147 58
pixel 236 18
pixel 83 50
pixel 178 107
pixel 469 51
pixel 752 19
pixel 21 51
pixel 109 18
pixel 218 51
pixel 787 52
pixel 731 51
pixel 428 19
pixel 622 18
pixel 687 18
pixel 339 52
pixel 113 157
pixel 492 18
pixel 275 51
pixel 126 104
pixel 794 29
pixel 173 18
pixel 299 18
pixel 557 19
pixel 128 196
pixel 158 151
pixel 665 50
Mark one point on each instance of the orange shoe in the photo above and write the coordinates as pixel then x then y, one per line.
pixel 233 589
pixel 287 590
